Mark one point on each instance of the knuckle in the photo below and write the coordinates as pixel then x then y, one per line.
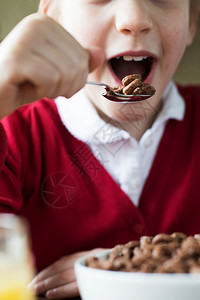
pixel 56 266
pixel 83 68
pixel 63 277
pixel 32 27
pixel 50 84
pixel 63 259
pixel 72 76
pixel 46 283
pixel 54 78
pixel 34 21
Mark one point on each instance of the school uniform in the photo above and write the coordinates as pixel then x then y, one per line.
pixel 64 175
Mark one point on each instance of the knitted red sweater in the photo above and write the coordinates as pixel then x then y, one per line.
pixel 70 200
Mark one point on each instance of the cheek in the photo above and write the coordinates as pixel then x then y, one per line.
pixel 175 42
pixel 87 33
pixel 84 35
pixel 89 38
pixel 90 34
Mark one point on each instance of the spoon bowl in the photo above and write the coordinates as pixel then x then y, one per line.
pixel 111 95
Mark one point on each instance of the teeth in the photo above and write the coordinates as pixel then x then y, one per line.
pixel 128 58
pixel 139 58
pixel 135 58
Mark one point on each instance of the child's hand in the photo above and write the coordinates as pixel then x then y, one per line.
pixel 58 280
pixel 40 58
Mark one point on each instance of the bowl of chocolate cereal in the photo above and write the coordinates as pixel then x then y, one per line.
pixel 163 267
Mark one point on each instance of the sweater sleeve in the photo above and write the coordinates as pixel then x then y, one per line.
pixel 10 166
pixel 27 137
pixel 3 146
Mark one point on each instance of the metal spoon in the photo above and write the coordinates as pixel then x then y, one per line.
pixel 115 97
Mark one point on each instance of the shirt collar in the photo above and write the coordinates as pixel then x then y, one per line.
pixel 173 106
pixel 82 120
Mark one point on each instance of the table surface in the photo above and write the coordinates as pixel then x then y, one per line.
pixel 42 298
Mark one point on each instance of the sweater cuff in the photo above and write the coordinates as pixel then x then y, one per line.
pixel 3 146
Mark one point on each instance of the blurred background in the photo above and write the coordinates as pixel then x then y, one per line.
pixel 12 11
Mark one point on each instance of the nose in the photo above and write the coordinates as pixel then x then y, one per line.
pixel 133 16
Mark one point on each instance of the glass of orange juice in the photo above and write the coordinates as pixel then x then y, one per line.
pixel 16 264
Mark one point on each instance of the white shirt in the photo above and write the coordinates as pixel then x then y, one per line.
pixel 127 160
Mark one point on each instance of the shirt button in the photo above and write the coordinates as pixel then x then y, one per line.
pixel 138 228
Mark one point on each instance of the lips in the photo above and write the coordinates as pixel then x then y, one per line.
pixel 131 63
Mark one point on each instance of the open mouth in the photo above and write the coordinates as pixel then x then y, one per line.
pixel 125 65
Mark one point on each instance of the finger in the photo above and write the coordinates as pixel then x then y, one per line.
pixel 70 67
pixel 73 80
pixel 52 270
pixel 44 82
pixel 60 279
pixel 68 56
pixel 65 263
pixel 96 58
pixel 67 291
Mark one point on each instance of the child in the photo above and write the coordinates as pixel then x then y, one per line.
pixel 88 173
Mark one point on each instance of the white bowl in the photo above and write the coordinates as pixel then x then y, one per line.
pixel 95 284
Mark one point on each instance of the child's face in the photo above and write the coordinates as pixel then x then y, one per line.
pixel 127 31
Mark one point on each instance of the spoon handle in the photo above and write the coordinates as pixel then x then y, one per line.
pixel 96 83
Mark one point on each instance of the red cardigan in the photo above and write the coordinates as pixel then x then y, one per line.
pixel 70 200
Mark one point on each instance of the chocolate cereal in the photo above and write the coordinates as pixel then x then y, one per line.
pixel 163 253
pixel 133 85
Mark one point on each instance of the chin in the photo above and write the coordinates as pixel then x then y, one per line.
pixel 128 113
